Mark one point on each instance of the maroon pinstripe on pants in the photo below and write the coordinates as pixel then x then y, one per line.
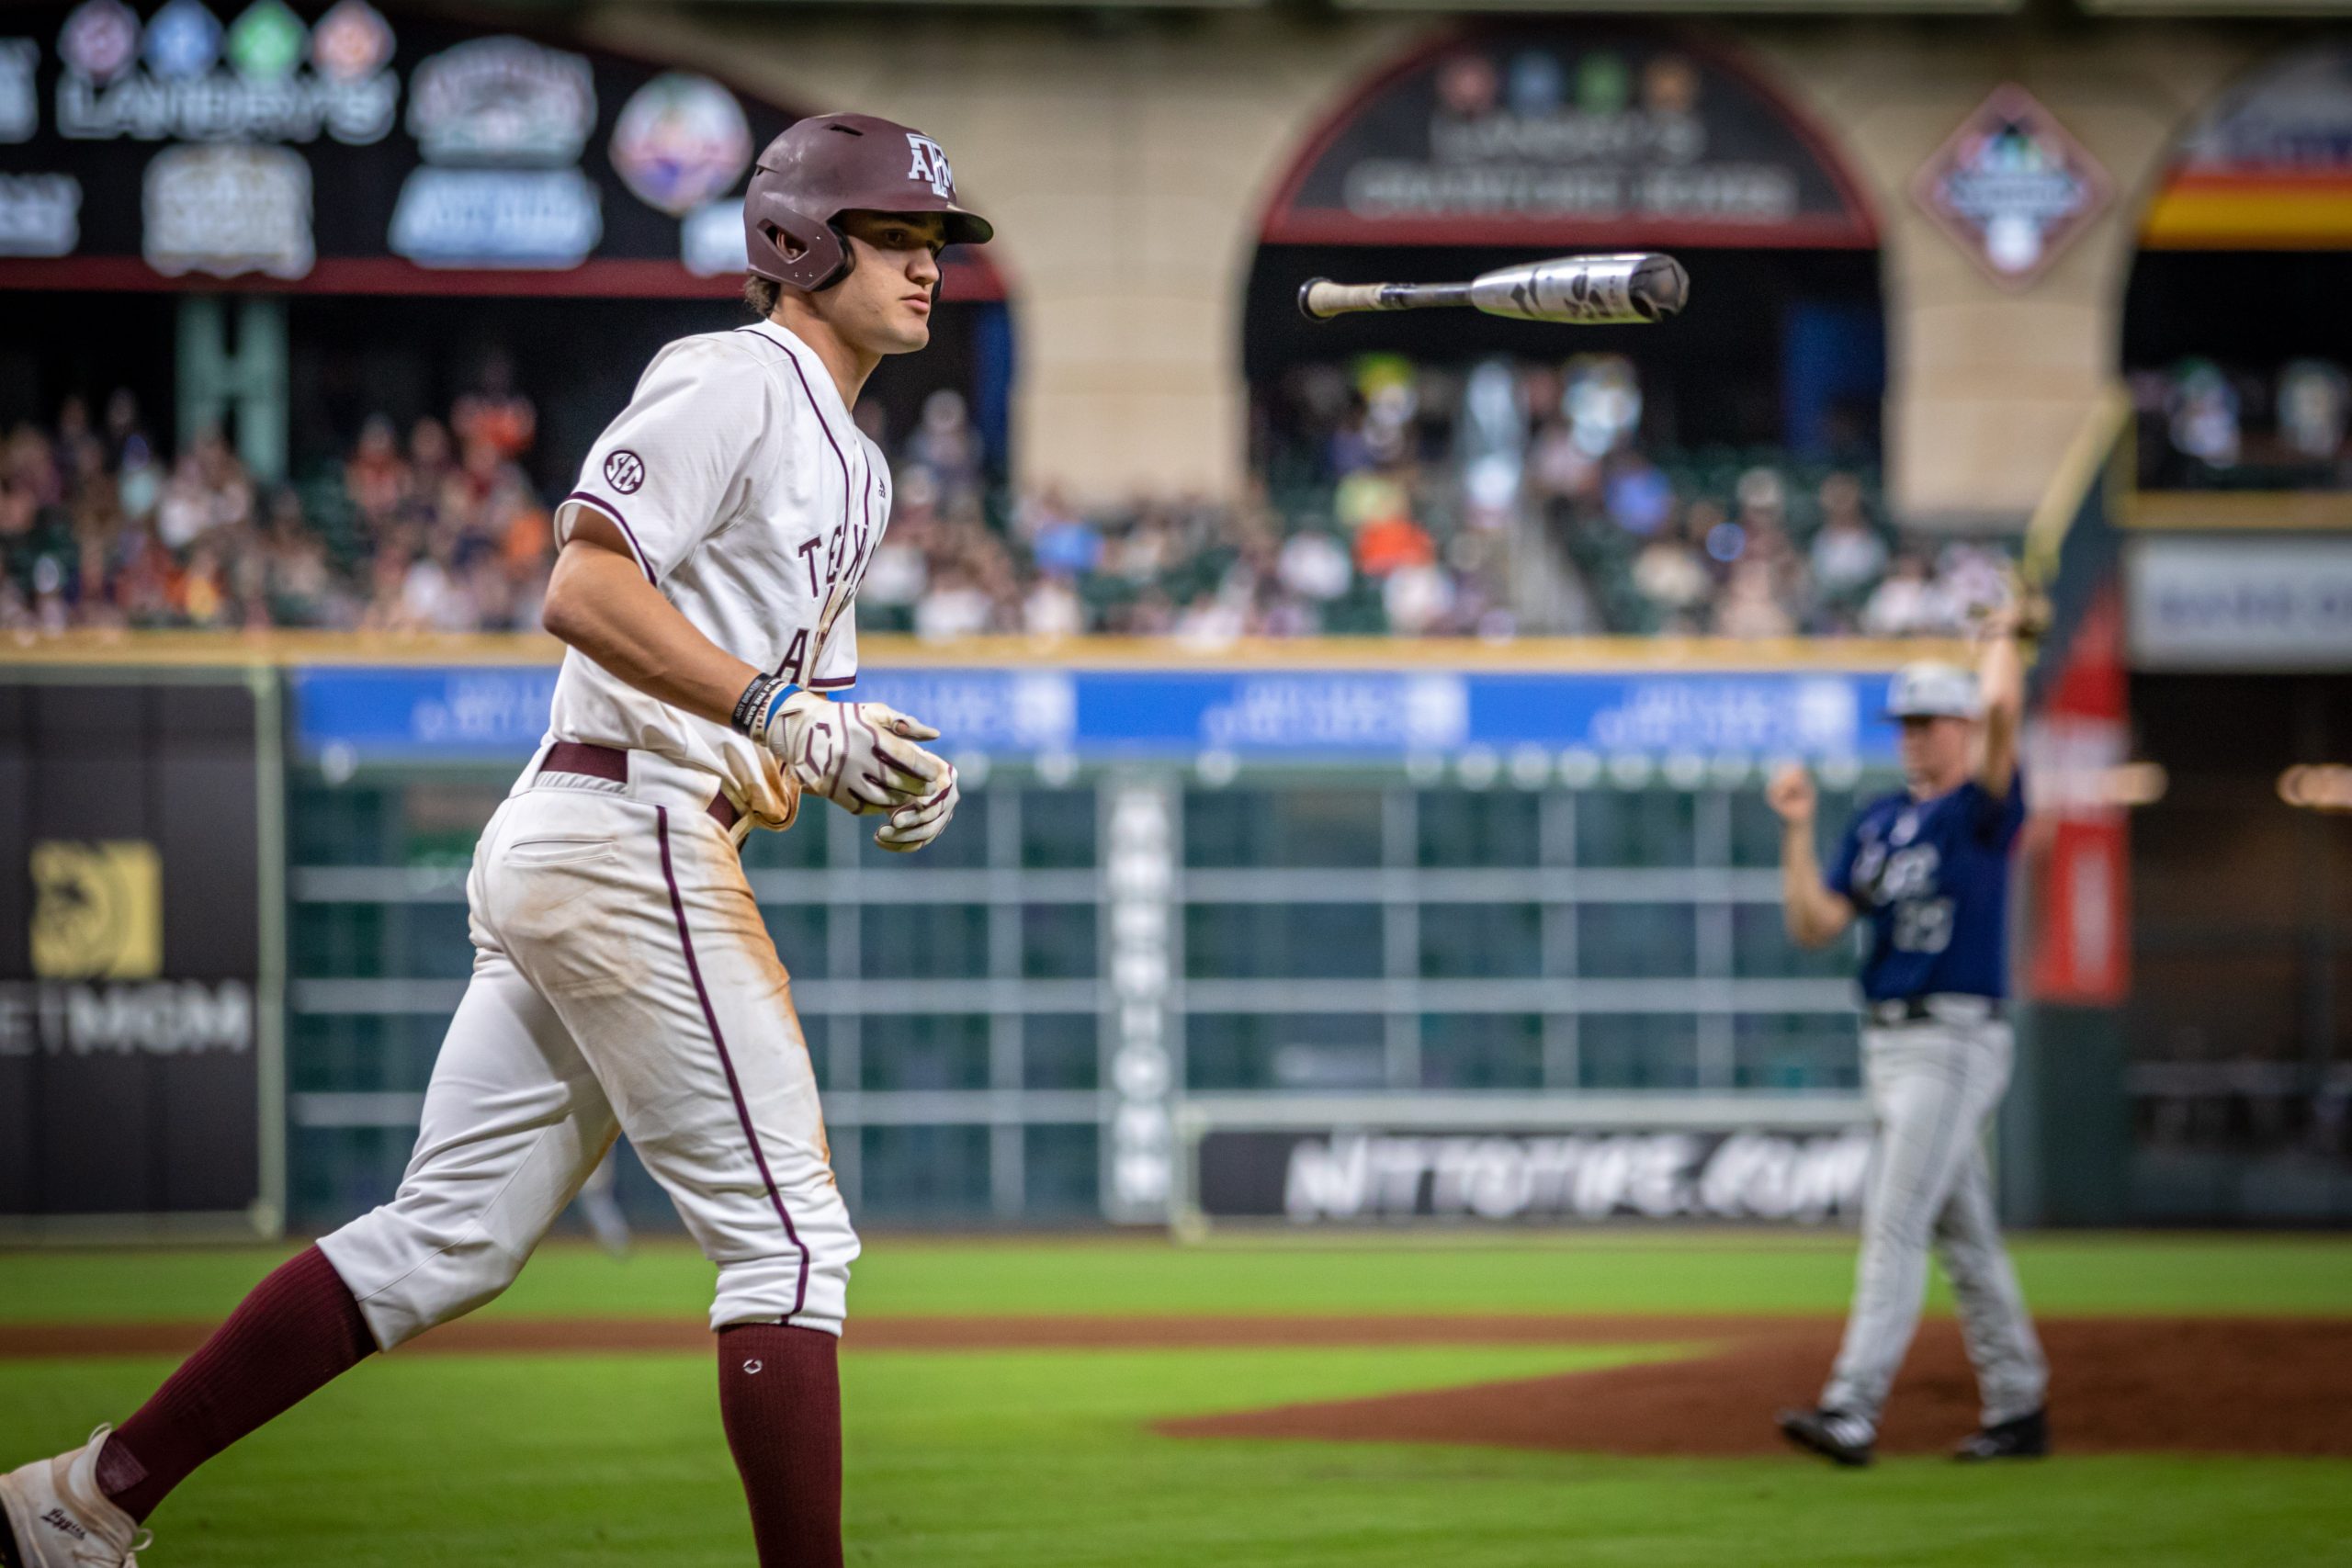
pixel 734 1085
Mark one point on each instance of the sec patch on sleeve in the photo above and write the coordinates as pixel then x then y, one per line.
pixel 625 470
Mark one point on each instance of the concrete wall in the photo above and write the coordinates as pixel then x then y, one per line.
pixel 1126 161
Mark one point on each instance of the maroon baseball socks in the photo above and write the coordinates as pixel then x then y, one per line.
pixel 297 1331
pixel 780 1394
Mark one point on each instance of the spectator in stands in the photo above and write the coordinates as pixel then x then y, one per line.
pixel 376 480
pixel 1848 556
pixel 495 416
pixel 1750 606
pixel 1908 603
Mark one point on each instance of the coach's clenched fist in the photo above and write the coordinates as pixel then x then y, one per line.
pixel 1791 794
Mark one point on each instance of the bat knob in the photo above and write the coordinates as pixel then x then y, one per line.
pixel 1659 288
pixel 1306 296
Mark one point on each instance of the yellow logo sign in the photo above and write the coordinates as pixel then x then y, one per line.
pixel 97 910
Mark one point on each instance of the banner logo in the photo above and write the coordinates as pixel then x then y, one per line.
pixel 502 100
pixel 229 209
pixel 40 214
pixel 19 104
pixel 100 39
pixel 97 910
pixel 518 218
pixel 681 140
pixel 2012 187
pixel 182 40
pixel 351 42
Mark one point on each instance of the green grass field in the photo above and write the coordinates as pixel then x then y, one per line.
pixel 1038 1458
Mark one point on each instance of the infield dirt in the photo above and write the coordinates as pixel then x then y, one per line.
pixel 2118 1385
pixel 2254 1386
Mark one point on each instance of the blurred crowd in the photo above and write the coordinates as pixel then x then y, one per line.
pixel 1519 502
pixel 433 530
pixel 2205 425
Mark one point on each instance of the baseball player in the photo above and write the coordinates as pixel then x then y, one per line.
pixel 1927 869
pixel 623 978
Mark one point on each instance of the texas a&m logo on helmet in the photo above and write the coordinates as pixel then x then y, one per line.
pixel 931 164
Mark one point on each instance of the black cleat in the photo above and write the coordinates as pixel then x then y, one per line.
pixel 2027 1436
pixel 1835 1435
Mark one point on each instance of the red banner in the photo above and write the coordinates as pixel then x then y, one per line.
pixel 2081 867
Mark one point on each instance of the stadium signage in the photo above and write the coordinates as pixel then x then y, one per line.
pixel 40 214
pixel 1695 725
pixel 162 1018
pixel 515 217
pixel 502 100
pixel 133 1008
pixel 1342 1176
pixel 1603 134
pixel 229 209
pixel 2012 187
pixel 198 84
pixel 442 158
pixel 681 140
pixel 2235 604
pixel 2270 165
pixel 710 240
pixel 20 98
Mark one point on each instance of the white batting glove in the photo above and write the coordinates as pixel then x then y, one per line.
pixel 913 825
pixel 861 756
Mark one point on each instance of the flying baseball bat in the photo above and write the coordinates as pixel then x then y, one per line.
pixel 1588 291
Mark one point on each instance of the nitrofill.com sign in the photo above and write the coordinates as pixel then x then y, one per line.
pixel 1664 1174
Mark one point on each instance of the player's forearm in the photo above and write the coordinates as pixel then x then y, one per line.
pixel 2000 677
pixel 600 603
pixel 1812 914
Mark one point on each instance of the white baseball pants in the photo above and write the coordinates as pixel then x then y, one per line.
pixel 1933 1086
pixel 623 980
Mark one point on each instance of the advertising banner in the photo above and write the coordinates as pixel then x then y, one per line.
pixel 1689 723
pixel 2269 167
pixel 1594 134
pixel 130 1029
pixel 1338 1176
pixel 2224 603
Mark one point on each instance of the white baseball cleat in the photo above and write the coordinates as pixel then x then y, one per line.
pixel 60 1518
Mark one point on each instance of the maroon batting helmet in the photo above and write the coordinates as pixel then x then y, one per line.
pixel 834 164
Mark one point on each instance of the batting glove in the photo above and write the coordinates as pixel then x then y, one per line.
pixel 912 827
pixel 861 756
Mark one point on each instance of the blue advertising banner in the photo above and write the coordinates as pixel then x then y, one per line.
pixel 498 713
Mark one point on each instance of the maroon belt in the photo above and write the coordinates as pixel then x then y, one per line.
pixel 592 760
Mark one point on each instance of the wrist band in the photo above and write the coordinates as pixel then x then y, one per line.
pixel 752 703
pixel 758 703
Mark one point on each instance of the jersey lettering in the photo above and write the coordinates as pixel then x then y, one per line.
pixel 1929 877
pixel 807 553
pixel 795 654
pixel 1922 925
pixel 1910 874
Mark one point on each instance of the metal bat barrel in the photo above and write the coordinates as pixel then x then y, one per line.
pixel 1581 291
pixel 1586 290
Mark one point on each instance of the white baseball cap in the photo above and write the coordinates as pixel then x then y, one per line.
pixel 1933 690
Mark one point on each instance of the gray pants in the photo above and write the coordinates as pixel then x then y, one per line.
pixel 1933 1086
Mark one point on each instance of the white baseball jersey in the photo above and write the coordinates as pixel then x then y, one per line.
pixel 747 494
